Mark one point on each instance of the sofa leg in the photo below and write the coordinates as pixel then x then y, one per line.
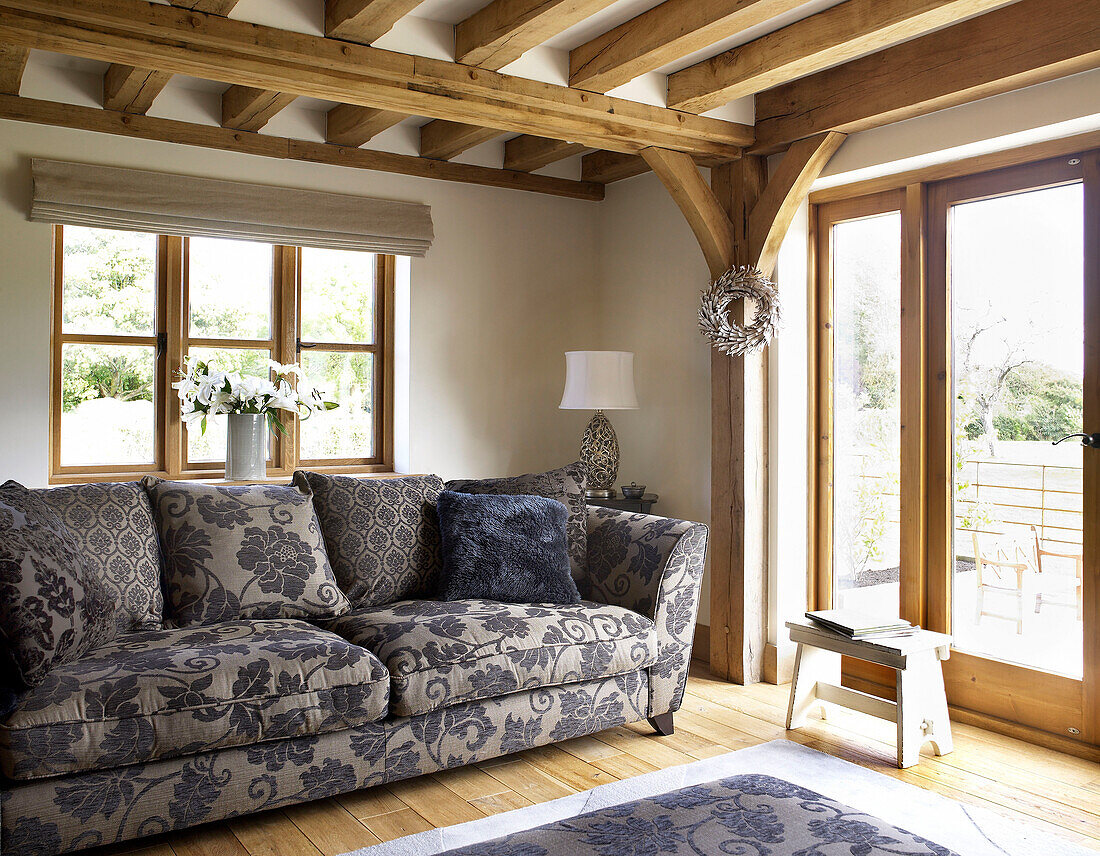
pixel 662 724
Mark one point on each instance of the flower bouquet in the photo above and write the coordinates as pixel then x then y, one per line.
pixel 251 403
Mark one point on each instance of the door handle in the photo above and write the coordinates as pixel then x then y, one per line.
pixel 1090 440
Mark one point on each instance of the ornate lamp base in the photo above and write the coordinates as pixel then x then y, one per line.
pixel 600 456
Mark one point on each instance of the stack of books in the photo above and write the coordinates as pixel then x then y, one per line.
pixel 861 625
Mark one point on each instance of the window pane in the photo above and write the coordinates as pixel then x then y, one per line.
pixel 1019 361
pixel 109 282
pixel 211 445
pixel 337 296
pixel 347 431
pixel 229 284
pixel 108 414
pixel 866 414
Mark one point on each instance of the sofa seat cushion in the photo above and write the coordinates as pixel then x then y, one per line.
pixel 165 693
pixel 442 653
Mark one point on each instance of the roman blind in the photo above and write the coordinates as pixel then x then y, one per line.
pixel 76 194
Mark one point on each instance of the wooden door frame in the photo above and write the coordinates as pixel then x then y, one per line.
pixel 1048 704
pixel 1029 697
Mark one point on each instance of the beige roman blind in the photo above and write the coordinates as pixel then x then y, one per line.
pixel 77 194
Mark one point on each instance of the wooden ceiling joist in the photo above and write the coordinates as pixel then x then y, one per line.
pixel 526 153
pixel 364 20
pixel 504 30
pixel 350 125
pixel 13 61
pixel 249 109
pixel 212 7
pixel 1001 51
pixel 606 167
pixel 491 38
pixel 836 35
pixel 444 140
pixel 235 52
pixel 212 137
pixel 132 90
pixel 664 34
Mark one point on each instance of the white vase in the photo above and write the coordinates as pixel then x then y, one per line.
pixel 246 447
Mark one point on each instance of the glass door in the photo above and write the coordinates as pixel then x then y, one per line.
pixel 1009 511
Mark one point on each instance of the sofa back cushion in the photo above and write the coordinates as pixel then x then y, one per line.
pixel 113 524
pixel 250 551
pixel 382 534
pixel 52 607
pixel 565 484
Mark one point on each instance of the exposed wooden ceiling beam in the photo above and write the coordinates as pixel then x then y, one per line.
pixel 249 109
pixel 606 167
pixel 526 153
pixel 1029 42
pixel 208 136
pixel 130 89
pixel 154 36
pixel 133 90
pixel 504 30
pixel 212 7
pixel 364 20
pixel 493 37
pixel 662 35
pixel 445 140
pixel 350 125
pixel 13 61
pixel 836 35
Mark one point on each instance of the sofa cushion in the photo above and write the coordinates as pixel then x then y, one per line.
pixel 166 693
pixel 382 535
pixel 251 551
pixel 565 484
pixel 52 607
pixel 506 548
pixel 113 523
pixel 442 653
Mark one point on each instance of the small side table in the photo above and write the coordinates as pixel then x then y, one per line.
pixel 921 709
pixel 639 506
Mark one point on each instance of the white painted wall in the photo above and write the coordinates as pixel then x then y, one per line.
pixel 508 286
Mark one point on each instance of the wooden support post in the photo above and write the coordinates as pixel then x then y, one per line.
pixel 739 500
pixel 740 219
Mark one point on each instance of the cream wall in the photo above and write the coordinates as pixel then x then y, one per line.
pixel 508 286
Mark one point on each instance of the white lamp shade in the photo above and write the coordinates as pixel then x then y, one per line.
pixel 599 380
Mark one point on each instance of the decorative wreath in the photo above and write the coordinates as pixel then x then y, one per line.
pixel 730 337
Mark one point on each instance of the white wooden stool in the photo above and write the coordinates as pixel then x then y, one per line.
pixel 921 709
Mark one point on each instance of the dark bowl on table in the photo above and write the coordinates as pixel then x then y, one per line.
pixel 633 491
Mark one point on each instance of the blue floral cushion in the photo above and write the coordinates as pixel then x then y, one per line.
pixel 253 551
pixel 444 653
pixel 167 693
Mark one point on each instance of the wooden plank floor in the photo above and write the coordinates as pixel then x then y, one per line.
pixel 1057 793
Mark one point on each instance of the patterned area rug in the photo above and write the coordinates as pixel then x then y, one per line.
pixel 777 799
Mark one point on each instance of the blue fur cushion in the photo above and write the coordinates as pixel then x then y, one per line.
pixel 506 548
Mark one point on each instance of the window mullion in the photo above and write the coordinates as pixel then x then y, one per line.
pixel 170 287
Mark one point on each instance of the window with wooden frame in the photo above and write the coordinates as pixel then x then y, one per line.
pixel 950 307
pixel 130 307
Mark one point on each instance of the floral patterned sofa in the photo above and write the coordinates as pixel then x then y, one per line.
pixel 168 727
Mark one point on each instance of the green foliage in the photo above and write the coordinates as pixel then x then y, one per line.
pixel 91 371
pixel 1039 403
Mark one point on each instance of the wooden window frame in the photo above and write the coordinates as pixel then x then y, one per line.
pixel 1041 708
pixel 172 339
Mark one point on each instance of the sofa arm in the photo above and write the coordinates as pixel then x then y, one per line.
pixel 653 566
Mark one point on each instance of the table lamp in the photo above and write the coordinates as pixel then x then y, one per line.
pixel 599 380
